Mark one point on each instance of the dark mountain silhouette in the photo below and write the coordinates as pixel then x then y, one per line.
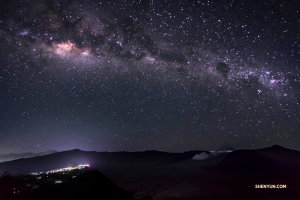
pixel 162 175
pixel 9 157
pixel 95 159
pixel 288 156
pixel 259 160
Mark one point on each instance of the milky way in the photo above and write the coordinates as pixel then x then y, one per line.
pixel 139 75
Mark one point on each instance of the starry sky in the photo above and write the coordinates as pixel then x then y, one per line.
pixel 135 75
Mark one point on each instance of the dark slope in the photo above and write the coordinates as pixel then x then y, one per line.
pixel 288 156
pixel 9 157
pixel 253 162
pixel 43 163
pixel 90 185
pixel 87 185
pixel 242 170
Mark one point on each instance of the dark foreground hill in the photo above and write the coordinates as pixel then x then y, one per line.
pixel 75 184
pixel 239 174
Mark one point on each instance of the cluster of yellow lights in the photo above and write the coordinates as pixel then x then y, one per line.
pixel 66 169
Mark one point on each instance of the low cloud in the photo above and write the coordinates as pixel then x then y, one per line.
pixel 201 156
pixel 211 154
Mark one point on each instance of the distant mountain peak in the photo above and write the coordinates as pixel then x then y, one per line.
pixel 75 150
pixel 276 146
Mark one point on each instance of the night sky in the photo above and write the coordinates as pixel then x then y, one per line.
pixel 149 75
